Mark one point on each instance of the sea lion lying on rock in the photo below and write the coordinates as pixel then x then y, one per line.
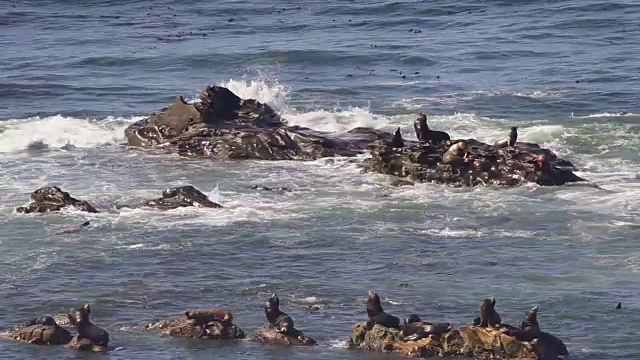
pixel 510 141
pixel 281 329
pixel 89 337
pixel 40 331
pixel 416 329
pixel 52 198
pixel 200 323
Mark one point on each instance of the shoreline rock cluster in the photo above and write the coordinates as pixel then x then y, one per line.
pixel 486 338
pixel 221 125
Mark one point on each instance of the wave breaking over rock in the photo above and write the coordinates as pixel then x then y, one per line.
pixel 221 125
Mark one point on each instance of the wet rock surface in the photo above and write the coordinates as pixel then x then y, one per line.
pixel 182 196
pixel 224 126
pixel 270 335
pixel 201 324
pixel 468 341
pixel 52 198
pixel 40 331
pixel 471 163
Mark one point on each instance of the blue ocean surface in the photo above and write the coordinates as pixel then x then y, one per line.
pixel 74 76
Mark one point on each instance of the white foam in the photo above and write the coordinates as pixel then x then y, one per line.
pixel 272 93
pixel 60 131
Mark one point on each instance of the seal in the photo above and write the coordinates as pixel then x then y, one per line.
pixel 73 229
pixel 89 336
pixel 529 329
pixel 416 329
pixel 424 134
pixel 377 315
pixel 511 141
pixel 282 322
pixel 619 306
pixel 397 141
pixel 456 154
pixel 488 314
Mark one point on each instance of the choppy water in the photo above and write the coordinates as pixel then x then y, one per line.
pixel 566 72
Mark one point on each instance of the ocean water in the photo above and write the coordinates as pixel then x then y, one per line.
pixel 72 77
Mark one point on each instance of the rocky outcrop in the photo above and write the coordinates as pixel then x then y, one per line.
pixel 470 163
pixel 182 196
pixel 40 331
pixel 271 335
pixel 224 126
pixel 468 341
pixel 52 198
pixel 201 324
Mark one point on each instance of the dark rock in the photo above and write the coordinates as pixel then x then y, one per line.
pixel 222 125
pixel 52 198
pixel 201 324
pixel 468 341
pixel 182 196
pixel 477 163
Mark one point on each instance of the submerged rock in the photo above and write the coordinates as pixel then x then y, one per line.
pixel 271 335
pixel 52 198
pixel 201 324
pixel 224 126
pixel 182 196
pixel 470 163
pixel 468 341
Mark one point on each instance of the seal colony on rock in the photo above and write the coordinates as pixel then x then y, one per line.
pixel 221 125
pixel 209 324
pixel 489 339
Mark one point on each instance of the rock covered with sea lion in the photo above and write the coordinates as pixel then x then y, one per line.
pixel 201 324
pixel 488 340
pixel 52 198
pixel 281 329
pixel 222 125
pixel 470 163
pixel 40 331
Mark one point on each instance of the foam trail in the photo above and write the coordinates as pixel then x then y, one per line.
pixel 60 131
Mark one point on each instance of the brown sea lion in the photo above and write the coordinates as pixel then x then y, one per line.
pixel 488 314
pixel 204 316
pixel 397 141
pixel 89 336
pixel 424 134
pixel 415 329
pixel 529 329
pixel 511 141
pixel 377 315
pixel 456 154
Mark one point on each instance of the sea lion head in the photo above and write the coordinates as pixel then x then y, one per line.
pixel 493 302
pixel 413 318
pixel 532 314
pixel 273 303
pixel 82 314
pixel 373 297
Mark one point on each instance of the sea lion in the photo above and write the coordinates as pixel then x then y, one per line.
pixel 278 319
pixel 377 315
pixel 488 314
pixel 204 316
pixel 89 336
pixel 456 154
pixel 511 141
pixel 397 141
pixel 424 134
pixel 529 329
pixel 619 306
pixel 415 329
pixel 73 229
